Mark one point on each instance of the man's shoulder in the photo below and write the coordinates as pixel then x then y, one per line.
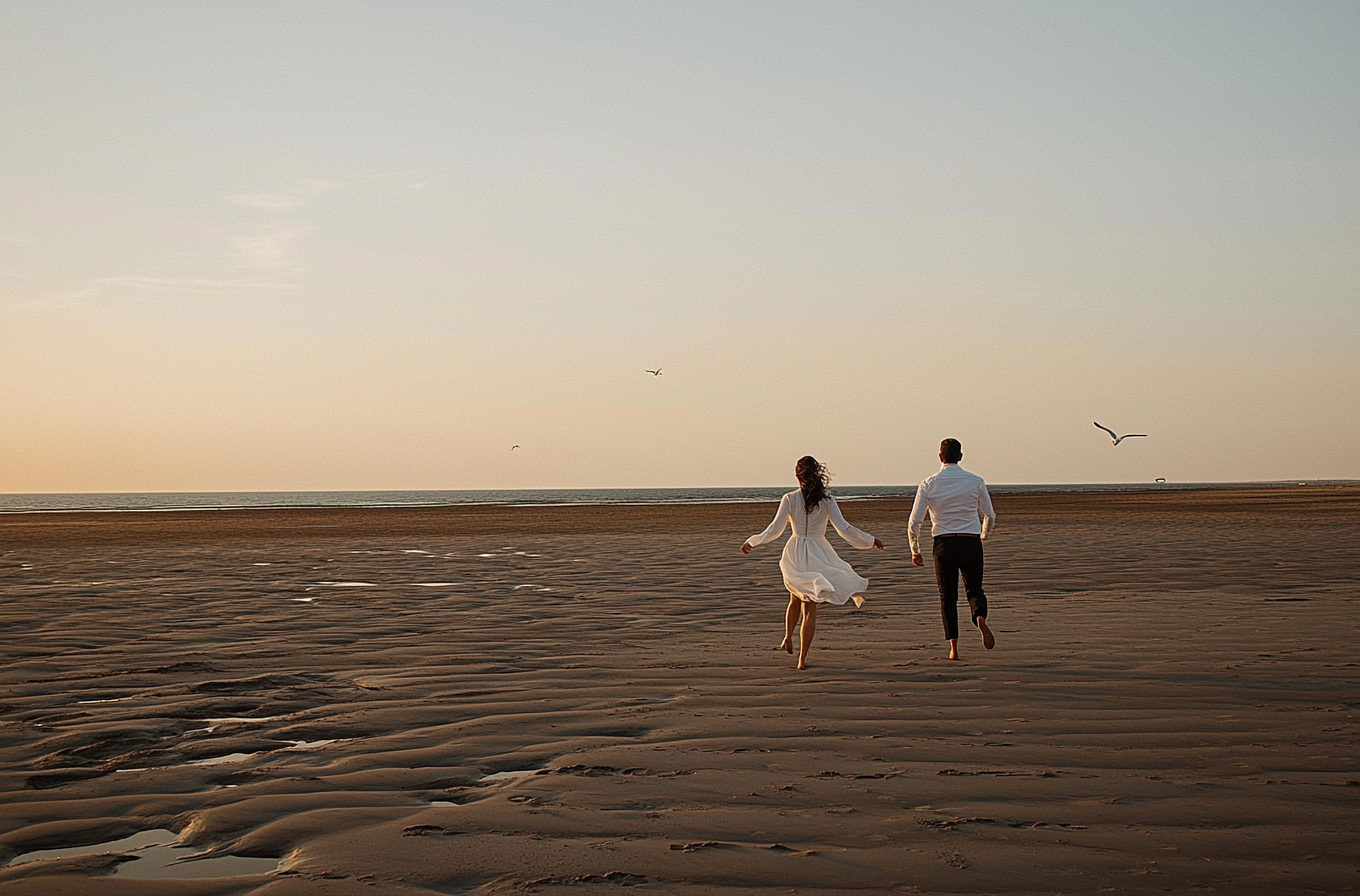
pixel 955 473
pixel 975 477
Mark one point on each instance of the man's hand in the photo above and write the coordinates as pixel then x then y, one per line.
pixel 918 560
pixel 745 548
pixel 878 545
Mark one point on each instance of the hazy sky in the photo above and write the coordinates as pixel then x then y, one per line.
pixel 349 246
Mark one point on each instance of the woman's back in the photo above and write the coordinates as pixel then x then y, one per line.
pixel 808 523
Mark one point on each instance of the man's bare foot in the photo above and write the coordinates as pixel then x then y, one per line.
pixel 786 646
pixel 988 639
pixel 802 665
pixel 953 648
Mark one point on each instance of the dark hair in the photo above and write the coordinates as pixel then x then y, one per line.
pixel 812 480
pixel 951 452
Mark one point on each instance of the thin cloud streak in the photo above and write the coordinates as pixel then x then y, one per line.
pixel 267 248
pixel 268 201
pixel 285 199
pixel 145 288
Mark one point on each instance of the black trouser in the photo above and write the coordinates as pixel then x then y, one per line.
pixel 956 554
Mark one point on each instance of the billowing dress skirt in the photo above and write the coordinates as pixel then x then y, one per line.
pixel 811 568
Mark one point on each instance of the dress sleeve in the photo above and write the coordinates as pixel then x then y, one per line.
pixel 776 527
pixel 856 537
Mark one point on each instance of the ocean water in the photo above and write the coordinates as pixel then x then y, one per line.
pixel 162 501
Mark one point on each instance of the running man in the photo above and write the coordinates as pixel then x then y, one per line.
pixel 961 516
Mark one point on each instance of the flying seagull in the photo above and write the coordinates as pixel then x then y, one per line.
pixel 1115 440
pixel 513 447
pixel 656 372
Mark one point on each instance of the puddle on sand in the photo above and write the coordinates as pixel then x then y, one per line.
pixel 507 776
pixel 158 858
pixel 237 757
pixel 139 840
pixel 348 584
pixel 437 584
pixel 220 760
pixel 442 803
pixel 310 744
pixel 178 863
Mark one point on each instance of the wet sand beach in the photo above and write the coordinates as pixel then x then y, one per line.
pixel 587 700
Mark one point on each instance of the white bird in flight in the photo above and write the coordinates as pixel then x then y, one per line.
pixel 1115 440
pixel 656 372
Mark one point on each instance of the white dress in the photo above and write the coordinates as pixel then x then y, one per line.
pixel 810 566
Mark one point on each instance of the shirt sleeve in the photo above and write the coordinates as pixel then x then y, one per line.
pixel 918 516
pixel 776 526
pixel 985 511
pixel 857 537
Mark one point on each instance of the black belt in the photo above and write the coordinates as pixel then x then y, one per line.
pixel 960 535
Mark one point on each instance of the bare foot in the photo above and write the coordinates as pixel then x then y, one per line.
pixel 953 654
pixel 802 665
pixel 786 646
pixel 988 639
pixel 953 648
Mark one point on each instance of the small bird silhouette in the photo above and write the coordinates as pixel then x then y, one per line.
pixel 1115 440
pixel 513 447
pixel 656 372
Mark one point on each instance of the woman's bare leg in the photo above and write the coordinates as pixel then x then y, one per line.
pixel 806 631
pixel 790 619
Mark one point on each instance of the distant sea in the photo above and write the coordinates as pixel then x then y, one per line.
pixel 163 501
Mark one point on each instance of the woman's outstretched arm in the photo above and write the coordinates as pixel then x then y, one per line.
pixel 857 537
pixel 773 530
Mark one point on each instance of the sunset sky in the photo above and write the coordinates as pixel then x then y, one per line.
pixel 292 246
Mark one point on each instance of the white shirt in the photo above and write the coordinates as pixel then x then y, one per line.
pixel 958 504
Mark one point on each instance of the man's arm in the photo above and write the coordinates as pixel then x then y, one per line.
pixel 986 512
pixel 918 515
